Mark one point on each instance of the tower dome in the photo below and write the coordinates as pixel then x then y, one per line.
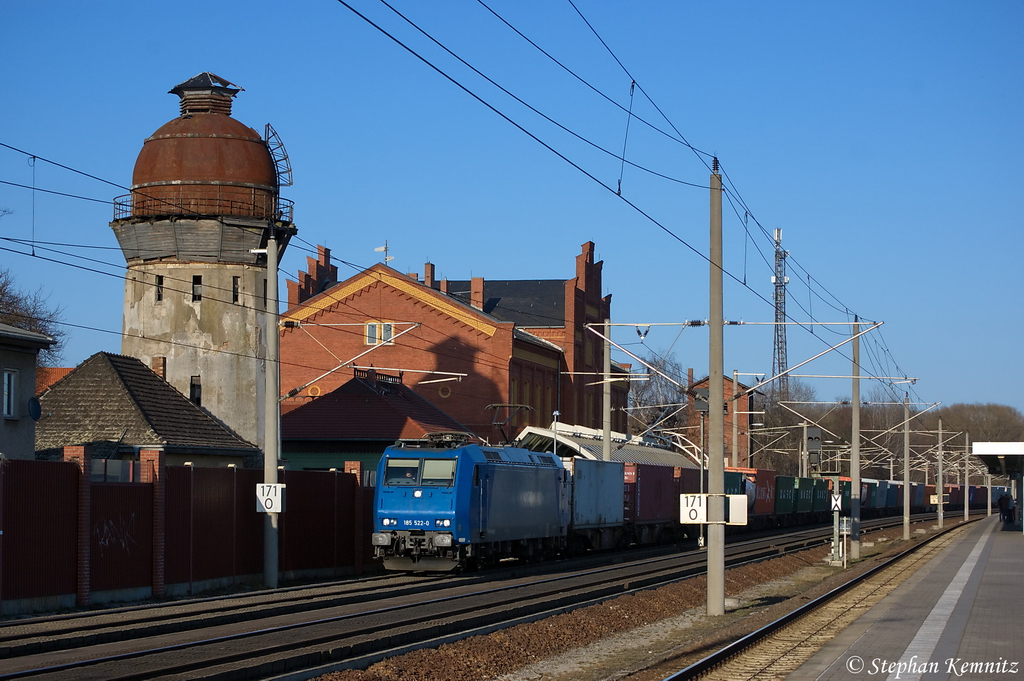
pixel 205 163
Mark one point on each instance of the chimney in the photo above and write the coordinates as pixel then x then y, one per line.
pixel 689 378
pixel 415 276
pixel 428 275
pixel 444 286
pixel 476 295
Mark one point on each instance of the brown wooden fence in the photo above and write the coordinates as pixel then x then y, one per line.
pixel 68 539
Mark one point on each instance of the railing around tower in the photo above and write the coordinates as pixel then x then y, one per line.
pixel 202 201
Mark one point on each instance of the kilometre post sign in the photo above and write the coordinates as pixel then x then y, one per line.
pixel 693 509
pixel 270 498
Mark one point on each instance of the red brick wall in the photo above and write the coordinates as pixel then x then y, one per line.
pixel 440 343
pixel 444 343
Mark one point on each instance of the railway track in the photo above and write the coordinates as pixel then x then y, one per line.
pixel 779 648
pixel 268 633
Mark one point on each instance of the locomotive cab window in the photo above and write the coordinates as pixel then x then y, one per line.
pixel 402 472
pixel 438 472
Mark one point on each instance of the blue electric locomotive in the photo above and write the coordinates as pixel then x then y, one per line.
pixel 440 508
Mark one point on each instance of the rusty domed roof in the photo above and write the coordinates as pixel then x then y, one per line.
pixel 205 162
pixel 205 147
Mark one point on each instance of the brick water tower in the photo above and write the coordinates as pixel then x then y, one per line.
pixel 204 199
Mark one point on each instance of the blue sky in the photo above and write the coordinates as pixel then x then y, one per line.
pixel 883 138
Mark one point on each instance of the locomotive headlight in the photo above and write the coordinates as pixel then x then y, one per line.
pixel 446 522
pixel 388 521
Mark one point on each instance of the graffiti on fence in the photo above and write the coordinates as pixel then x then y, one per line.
pixel 116 534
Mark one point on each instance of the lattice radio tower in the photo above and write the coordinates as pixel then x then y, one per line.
pixel 779 361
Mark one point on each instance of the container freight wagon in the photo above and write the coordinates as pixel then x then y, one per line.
pixel 881 495
pixel 651 503
pixel 894 496
pixel 596 502
pixel 867 498
pixel 822 497
pixel 786 488
pixel 759 486
pixel 917 500
pixel 442 508
pixel 804 497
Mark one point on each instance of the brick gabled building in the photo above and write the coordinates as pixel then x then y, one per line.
pixel 515 341
pixel 739 410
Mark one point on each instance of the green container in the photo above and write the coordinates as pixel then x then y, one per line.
pixel 785 494
pixel 804 495
pixel 822 496
pixel 734 483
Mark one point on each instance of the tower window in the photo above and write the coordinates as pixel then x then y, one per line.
pixel 235 289
pixel 197 287
pixel 195 391
pixel 379 333
pixel 159 287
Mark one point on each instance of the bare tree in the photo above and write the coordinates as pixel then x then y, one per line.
pixel 985 422
pixel 777 444
pixel 31 311
pixel 657 402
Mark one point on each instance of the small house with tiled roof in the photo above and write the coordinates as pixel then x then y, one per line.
pixel 464 346
pixel 118 405
pixel 19 350
pixel 357 422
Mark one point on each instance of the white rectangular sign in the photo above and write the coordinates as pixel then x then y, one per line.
pixel 270 498
pixel 736 512
pixel 837 502
pixel 693 509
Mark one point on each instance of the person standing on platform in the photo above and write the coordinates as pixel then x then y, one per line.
pixel 1004 507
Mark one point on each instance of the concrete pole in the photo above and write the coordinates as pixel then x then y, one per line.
pixel 804 463
pixel 606 444
pixel 272 413
pixel 939 485
pixel 716 405
pixel 967 476
pixel 554 432
pixel 988 483
pixel 906 466
pixel 855 449
pixel 735 420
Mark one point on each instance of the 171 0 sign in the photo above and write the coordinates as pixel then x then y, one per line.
pixel 693 509
pixel 270 498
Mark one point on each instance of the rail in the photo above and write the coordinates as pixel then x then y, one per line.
pixel 185 202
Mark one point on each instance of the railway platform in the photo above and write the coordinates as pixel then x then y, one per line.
pixel 958 617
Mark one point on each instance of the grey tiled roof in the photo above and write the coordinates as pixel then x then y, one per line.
pixel 111 398
pixel 528 302
pixel 12 335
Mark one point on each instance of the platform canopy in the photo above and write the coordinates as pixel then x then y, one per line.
pixel 1001 458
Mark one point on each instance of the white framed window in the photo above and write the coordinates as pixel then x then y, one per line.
pixel 10 393
pixel 379 333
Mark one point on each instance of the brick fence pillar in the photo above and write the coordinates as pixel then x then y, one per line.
pixel 81 456
pixel 154 472
pixel 356 468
